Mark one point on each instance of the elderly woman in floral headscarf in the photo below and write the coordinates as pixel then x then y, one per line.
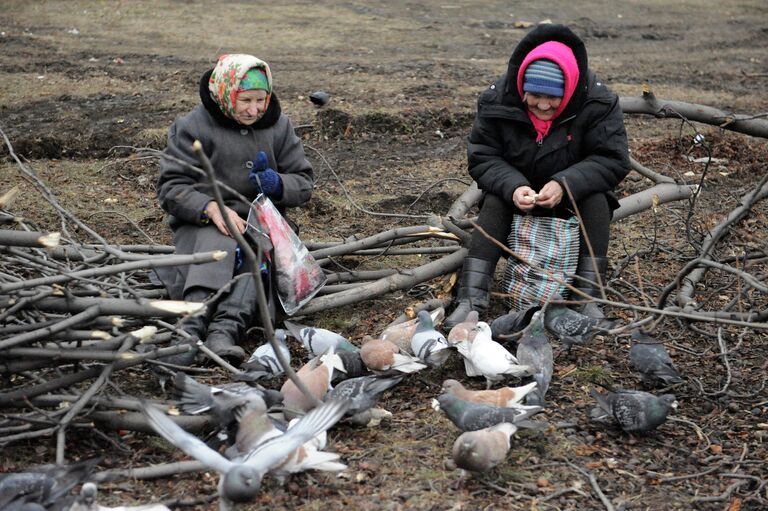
pixel 252 147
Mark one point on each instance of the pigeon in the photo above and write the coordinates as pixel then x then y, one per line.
pixel 492 360
pixel 473 416
pixel 86 501
pixel 44 486
pixel 534 351
pixel 316 375
pixel 364 391
pixel 254 426
pixel 309 456
pixel 650 358
pixel 402 333
pixel 240 478
pixel 569 326
pixel 427 343
pixel 370 418
pixel 481 450
pixel 196 398
pixel 257 427
pixel 384 357
pixel 319 98
pixel 352 366
pixel 318 340
pixel 635 411
pixel 462 332
pixel 506 326
pixel 505 397
pixel 263 363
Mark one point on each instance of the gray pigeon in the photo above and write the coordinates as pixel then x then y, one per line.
pixel 318 340
pixel 481 450
pixel 427 343
pixel 240 478
pixel 650 358
pixel 534 350
pixel 42 487
pixel 635 411
pixel 469 416
pixel 263 363
pixel 569 326
pixel 506 326
pixel 364 391
pixel 223 402
pixel 353 365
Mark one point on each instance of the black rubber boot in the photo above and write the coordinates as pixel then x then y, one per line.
pixel 474 289
pixel 230 320
pixel 195 326
pixel 589 284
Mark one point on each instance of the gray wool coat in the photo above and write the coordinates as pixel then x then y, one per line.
pixel 184 193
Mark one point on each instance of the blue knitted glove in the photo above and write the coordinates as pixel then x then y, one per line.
pixel 264 178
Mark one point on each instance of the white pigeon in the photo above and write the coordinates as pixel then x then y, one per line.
pixel 240 478
pixel 492 360
pixel 427 343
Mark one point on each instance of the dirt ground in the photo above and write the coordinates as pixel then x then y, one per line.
pixel 85 82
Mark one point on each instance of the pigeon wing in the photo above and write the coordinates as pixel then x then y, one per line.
pixel 270 453
pixel 188 443
pixel 628 411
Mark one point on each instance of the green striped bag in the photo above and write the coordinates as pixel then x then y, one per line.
pixel 548 243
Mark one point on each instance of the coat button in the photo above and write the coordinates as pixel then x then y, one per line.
pixel 243 131
pixel 493 86
pixel 249 164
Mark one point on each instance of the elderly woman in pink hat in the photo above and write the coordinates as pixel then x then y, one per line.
pixel 547 124
pixel 253 148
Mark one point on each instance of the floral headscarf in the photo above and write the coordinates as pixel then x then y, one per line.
pixel 227 75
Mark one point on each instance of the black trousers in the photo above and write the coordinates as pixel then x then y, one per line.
pixel 496 219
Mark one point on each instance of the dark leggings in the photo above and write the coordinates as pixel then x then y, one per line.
pixel 496 219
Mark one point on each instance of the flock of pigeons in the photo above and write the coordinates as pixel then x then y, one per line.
pixel 282 432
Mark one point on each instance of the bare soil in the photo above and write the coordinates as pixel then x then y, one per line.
pixel 85 82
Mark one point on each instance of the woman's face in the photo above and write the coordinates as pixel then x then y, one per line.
pixel 250 106
pixel 541 105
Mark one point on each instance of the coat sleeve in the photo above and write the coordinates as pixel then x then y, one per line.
pixel 293 166
pixel 177 184
pixel 487 166
pixel 607 156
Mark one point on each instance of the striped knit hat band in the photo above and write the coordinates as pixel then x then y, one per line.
pixel 544 77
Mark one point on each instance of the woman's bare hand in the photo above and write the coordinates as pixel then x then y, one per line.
pixel 550 195
pixel 524 198
pixel 214 214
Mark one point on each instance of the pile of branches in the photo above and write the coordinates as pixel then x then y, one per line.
pixel 74 311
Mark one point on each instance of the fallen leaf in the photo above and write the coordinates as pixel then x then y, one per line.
pixel 585 450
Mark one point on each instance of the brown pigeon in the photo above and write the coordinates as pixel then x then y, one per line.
pixel 383 356
pixel 481 450
pixel 316 375
pixel 504 397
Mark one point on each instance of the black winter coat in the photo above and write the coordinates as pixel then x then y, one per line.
pixel 585 150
